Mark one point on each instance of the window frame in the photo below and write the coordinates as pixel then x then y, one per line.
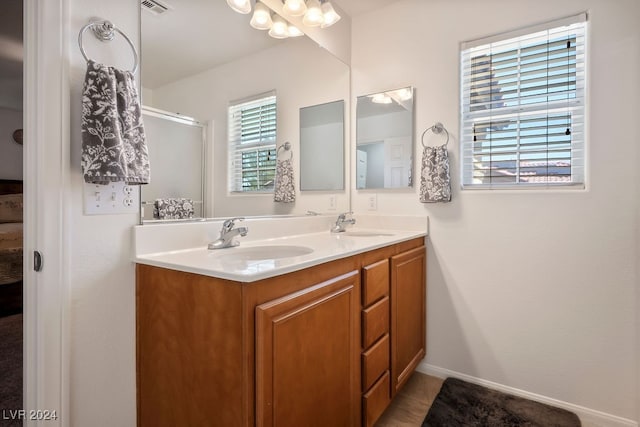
pixel 576 108
pixel 235 146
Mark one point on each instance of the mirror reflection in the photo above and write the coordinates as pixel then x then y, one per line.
pixel 322 147
pixel 176 190
pixel 198 58
pixel 384 139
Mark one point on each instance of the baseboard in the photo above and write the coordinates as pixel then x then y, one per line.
pixel 589 417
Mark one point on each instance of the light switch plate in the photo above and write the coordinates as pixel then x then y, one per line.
pixel 372 202
pixel 332 202
pixel 113 198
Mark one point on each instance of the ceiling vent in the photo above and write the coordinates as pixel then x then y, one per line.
pixel 154 7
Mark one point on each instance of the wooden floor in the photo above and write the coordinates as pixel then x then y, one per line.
pixel 410 406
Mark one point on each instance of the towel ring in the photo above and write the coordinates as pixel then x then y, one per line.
pixel 437 128
pixel 287 147
pixel 105 31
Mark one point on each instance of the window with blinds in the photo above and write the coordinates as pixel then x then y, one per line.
pixel 252 144
pixel 523 107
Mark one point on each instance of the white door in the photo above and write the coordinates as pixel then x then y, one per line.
pixel 397 162
pixel 361 169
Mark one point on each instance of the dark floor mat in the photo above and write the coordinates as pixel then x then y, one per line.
pixel 460 403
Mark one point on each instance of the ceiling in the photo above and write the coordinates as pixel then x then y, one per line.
pixel 193 36
pixel 197 35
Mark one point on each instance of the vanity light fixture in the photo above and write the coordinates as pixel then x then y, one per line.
pixel 295 31
pixel 381 98
pixel 329 14
pixel 294 7
pixel 313 17
pixel 261 19
pixel 314 13
pixel 280 28
pixel 240 6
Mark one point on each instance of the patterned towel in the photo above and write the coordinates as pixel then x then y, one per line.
pixel 113 139
pixel 284 190
pixel 435 183
pixel 173 208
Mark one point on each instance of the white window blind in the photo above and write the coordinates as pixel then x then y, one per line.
pixel 523 107
pixel 252 143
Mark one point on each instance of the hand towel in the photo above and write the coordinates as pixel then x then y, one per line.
pixel 113 139
pixel 170 208
pixel 435 183
pixel 283 189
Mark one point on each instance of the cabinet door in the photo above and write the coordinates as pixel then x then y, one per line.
pixel 408 310
pixel 307 356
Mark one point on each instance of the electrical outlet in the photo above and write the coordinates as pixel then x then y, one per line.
pixel 113 198
pixel 333 204
pixel 372 202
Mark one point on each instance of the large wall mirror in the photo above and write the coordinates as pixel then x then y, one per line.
pixel 178 154
pixel 384 139
pixel 199 56
pixel 322 147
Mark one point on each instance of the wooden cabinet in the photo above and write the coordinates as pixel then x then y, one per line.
pixel 408 315
pixel 327 345
pixel 307 356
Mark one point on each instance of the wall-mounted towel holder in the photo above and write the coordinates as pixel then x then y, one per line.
pixel 437 128
pixel 286 147
pixel 105 31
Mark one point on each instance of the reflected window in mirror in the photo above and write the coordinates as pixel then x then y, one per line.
pixel 252 144
pixel 384 139
pixel 322 147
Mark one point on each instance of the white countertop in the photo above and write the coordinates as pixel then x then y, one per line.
pixel 233 264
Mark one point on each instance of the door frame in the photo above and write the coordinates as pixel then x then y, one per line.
pixel 46 176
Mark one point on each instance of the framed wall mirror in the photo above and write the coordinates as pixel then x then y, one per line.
pixel 177 187
pixel 384 139
pixel 199 56
pixel 322 147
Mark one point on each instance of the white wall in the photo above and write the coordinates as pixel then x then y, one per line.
pixel 321 145
pixel 294 69
pixel 532 290
pixel 101 275
pixel 10 151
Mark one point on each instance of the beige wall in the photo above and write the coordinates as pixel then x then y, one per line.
pixel 532 290
pixel 100 272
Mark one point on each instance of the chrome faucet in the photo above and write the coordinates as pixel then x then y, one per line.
pixel 338 227
pixel 227 234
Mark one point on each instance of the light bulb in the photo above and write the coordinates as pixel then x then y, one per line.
pixel 329 14
pixel 280 28
pixel 261 19
pixel 294 7
pixel 381 98
pixel 313 17
pixel 240 6
pixel 404 94
pixel 295 31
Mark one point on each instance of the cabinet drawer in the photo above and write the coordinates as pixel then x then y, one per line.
pixel 375 322
pixel 376 400
pixel 375 282
pixel 374 362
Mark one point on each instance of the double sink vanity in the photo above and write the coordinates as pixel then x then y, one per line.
pixel 295 326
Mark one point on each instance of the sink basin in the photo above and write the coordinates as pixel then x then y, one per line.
pixel 260 253
pixel 365 234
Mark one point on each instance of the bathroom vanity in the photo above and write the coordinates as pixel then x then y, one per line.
pixel 318 339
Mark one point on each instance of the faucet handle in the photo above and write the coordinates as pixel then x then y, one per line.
pixel 343 215
pixel 229 223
